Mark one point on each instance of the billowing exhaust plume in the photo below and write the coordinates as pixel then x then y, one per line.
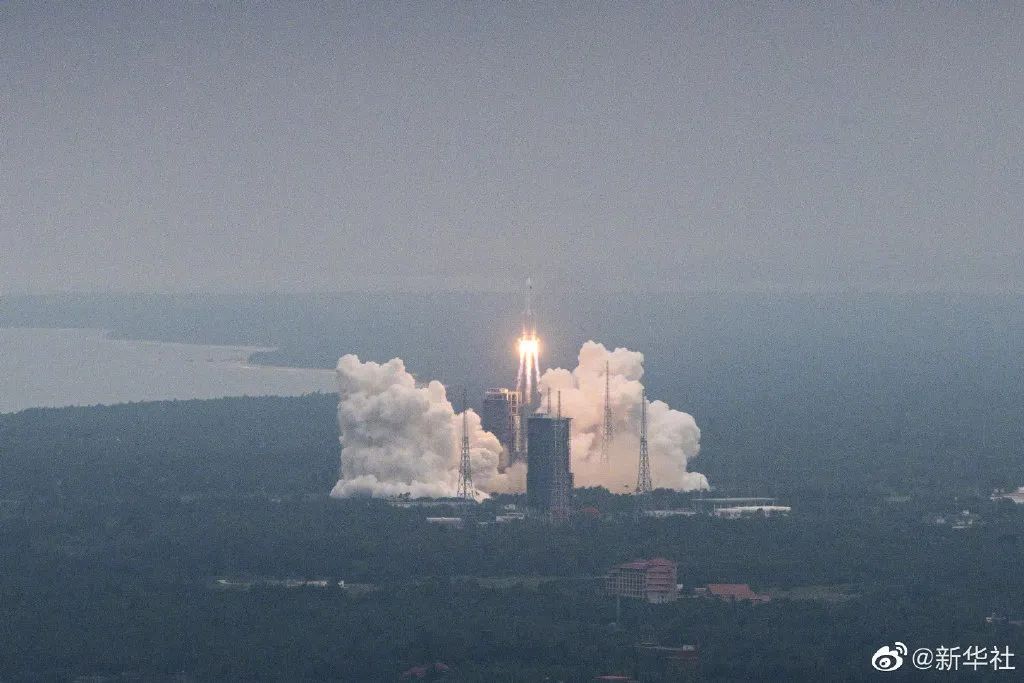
pixel 673 436
pixel 397 437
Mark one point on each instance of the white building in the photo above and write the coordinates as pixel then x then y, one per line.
pixel 1016 496
pixel 453 522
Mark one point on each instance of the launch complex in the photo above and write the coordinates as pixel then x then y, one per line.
pixel 533 431
pixel 504 408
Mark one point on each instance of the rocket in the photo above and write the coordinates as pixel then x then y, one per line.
pixel 528 377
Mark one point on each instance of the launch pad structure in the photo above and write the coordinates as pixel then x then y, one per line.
pixel 503 408
pixel 501 416
pixel 549 481
pixel 542 438
pixel 608 433
pixel 466 490
pixel 561 480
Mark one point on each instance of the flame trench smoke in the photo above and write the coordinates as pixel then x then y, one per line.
pixel 672 435
pixel 397 437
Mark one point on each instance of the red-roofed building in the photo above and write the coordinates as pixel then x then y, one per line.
pixel 734 592
pixel 651 580
pixel 429 672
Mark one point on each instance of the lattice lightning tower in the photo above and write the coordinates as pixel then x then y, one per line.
pixel 643 477
pixel 466 489
pixel 609 430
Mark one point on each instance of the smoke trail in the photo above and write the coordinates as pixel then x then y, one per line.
pixel 673 436
pixel 398 437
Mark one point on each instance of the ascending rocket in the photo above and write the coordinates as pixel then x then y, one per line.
pixel 528 377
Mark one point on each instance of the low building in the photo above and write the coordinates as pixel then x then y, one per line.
pixel 709 505
pixel 408 503
pixel 741 511
pixel 510 517
pixel 963 520
pixel 652 580
pixel 735 592
pixel 1015 496
pixel 663 514
pixel 453 522
pixel 429 672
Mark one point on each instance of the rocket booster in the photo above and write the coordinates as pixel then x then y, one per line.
pixel 528 377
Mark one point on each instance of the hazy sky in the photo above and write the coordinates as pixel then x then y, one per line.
pixel 406 146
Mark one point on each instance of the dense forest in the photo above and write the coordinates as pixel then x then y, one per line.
pixel 874 418
pixel 840 393
pixel 116 524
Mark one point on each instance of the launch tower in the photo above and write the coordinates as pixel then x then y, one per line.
pixel 548 473
pixel 643 477
pixel 500 416
pixel 609 431
pixel 466 489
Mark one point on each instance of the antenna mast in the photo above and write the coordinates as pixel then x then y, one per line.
pixel 609 430
pixel 466 489
pixel 643 477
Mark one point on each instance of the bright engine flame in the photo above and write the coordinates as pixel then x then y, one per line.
pixel 528 377
pixel 529 347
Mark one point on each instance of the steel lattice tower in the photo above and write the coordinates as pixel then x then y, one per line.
pixel 643 477
pixel 466 489
pixel 609 430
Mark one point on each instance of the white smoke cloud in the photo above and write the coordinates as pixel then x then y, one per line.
pixel 398 437
pixel 673 437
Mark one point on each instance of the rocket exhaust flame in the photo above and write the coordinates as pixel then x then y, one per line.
pixel 528 376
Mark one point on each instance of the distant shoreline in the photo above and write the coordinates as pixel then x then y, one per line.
pixel 54 367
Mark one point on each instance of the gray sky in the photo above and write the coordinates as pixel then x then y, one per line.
pixel 415 146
